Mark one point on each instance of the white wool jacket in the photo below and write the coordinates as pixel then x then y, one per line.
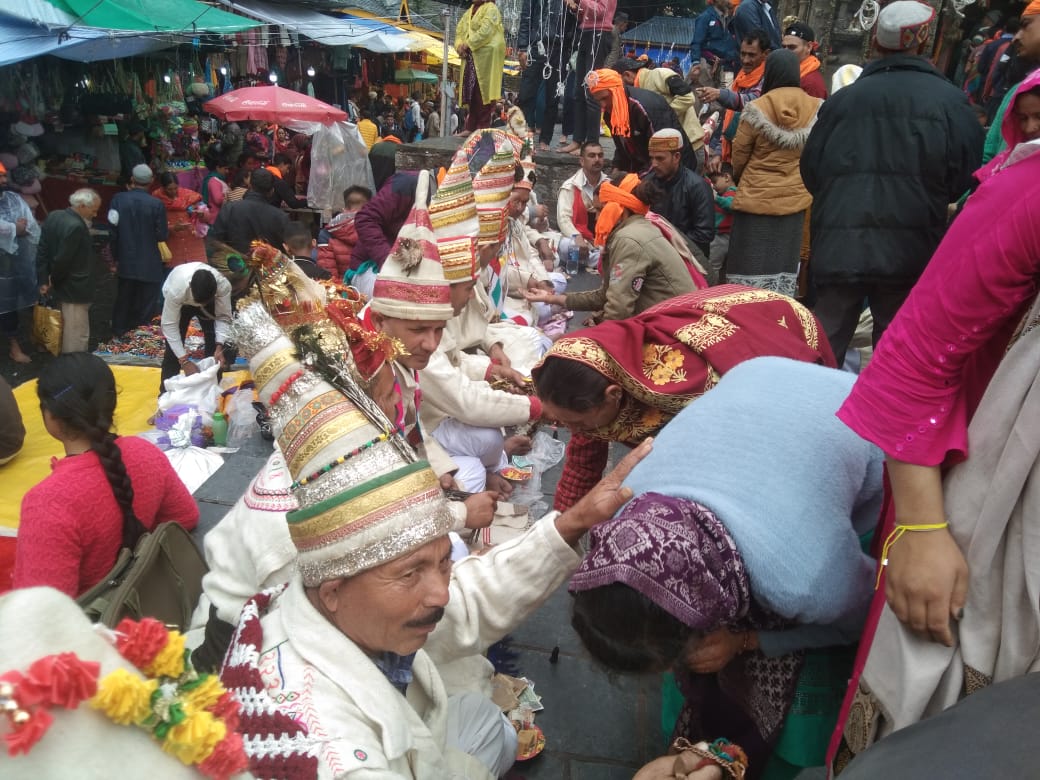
pixel 358 725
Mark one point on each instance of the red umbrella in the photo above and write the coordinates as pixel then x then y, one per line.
pixel 272 104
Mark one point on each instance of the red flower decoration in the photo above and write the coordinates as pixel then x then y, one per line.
pixel 228 758
pixel 27 734
pixel 226 708
pixel 61 680
pixel 140 641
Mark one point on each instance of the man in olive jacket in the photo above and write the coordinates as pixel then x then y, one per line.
pixel 64 261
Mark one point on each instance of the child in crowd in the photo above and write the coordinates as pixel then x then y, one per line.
pixel 725 188
pixel 336 241
pixel 299 245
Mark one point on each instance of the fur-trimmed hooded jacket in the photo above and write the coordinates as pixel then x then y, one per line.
pixel 766 152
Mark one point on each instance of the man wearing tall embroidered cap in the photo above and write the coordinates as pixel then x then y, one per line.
pixel 522 254
pixel 337 671
pixel 883 161
pixel 477 339
pixel 459 409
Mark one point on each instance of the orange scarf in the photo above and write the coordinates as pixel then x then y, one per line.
pixel 610 81
pixel 617 199
pixel 742 81
pixel 808 65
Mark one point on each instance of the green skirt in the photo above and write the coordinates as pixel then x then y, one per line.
pixel 807 728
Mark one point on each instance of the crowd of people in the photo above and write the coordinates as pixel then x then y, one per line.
pixel 778 525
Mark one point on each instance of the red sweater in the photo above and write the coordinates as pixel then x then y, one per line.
pixel 71 527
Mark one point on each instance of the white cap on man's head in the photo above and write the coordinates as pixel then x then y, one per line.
pixel 903 25
pixel 142 174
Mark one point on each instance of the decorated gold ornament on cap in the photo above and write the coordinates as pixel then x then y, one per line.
pixel 666 140
pixel 453 214
pixel 903 25
pixel 411 283
pixel 364 496
pixel 291 297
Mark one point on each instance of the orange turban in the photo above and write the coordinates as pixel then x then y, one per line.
pixel 609 80
pixel 1033 9
pixel 3 168
pixel 617 199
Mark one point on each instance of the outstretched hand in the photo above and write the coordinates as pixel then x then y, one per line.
pixel 606 498
pixel 541 295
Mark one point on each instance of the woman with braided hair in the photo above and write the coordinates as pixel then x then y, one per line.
pixel 105 492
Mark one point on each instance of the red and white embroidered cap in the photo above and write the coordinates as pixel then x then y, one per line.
pixel 411 284
pixel 903 25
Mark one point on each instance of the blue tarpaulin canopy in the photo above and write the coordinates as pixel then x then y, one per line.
pixel 20 40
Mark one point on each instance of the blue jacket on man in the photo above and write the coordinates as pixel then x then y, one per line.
pixel 756 15
pixel 137 224
pixel 711 34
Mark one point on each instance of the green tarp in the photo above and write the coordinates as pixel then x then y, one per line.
pixel 185 16
pixel 408 75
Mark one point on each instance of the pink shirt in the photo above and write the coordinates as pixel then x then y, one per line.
pixel 71 527
pixel 596 14
pixel 917 396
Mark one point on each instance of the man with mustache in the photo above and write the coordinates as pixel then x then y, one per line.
pixel 339 671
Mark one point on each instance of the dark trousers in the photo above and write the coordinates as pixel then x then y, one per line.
pixel 9 324
pixel 136 303
pixel 542 70
pixel 839 306
pixel 170 365
pixel 478 114
pixel 593 48
pixel 567 120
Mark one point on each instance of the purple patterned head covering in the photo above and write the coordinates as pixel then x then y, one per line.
pixel 676 553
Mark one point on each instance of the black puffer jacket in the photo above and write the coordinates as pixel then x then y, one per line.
pixel 689 204
pixel 885 158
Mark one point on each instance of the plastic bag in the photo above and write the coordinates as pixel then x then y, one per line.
pixel 178 426
pixel 545 453
pixel 241 416
pixel 199 390
pixel 194 465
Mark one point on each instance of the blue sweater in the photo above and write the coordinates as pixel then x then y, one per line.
pixel 793 485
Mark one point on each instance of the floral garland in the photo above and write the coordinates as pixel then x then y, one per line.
pixel 189 714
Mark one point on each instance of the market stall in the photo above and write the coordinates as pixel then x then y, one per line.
pixel 338 155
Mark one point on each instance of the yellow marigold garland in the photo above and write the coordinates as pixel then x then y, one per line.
pixel 124 697
pixel 189 714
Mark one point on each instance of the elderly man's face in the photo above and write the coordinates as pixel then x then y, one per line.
pixel 603 98
pixel 518 200
pixel 394 607
pixel 420 338
pixel 629 77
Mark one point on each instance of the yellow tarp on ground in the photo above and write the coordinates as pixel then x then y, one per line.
pixel 138 388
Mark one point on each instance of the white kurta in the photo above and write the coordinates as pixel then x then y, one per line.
pixel 358 724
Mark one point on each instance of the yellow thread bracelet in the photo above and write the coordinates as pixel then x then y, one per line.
pixel 895 536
